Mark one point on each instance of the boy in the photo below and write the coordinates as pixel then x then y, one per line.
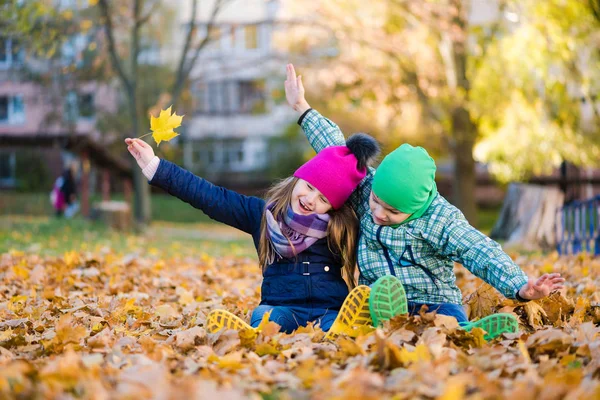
pixel 410 236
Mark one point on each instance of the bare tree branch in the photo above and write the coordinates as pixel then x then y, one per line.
pixel 135 41
pixel 179 75
pixel 216 9
pixel 144 19
pixel 595 7
pixel 112 49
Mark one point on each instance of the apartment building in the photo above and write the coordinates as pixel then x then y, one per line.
pixel 239 101
pixel 44 111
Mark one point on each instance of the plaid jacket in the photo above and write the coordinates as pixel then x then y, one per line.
pixel 422 252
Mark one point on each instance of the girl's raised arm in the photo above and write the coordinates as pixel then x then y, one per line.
pixel 220 204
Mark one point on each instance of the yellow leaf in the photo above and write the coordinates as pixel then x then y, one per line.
pixel 547 268
pixel 231 361
pixel 349 347
pixel 20 271
pixel 535 314
pixel 266 348
pixel 581 308
pixel 5 335
pixel 266 327
pixel 85 24
pixel 162 127
pixel 455 388
pixel 524 352
pixel 185 297
pixel 66 332
pixel 17 303
pixel 479 336
pixel 420 353
pixel 71 258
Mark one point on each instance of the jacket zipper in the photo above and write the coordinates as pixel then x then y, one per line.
pixel 309 285
pixel 385 252
pixel 427 272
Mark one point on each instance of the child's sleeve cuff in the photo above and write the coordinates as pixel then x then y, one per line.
pixel 151 168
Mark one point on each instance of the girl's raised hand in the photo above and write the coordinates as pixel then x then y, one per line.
pixel 294 90
pixel 140 150
pixel 542 287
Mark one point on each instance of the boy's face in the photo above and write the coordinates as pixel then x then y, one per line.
pixel 384 214
pixel 307 199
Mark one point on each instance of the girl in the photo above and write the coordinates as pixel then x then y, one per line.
pixel 410 236
pixel 304 234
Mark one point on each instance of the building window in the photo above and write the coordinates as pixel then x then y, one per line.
pixel 10 53
pixel 233 153
pixel 12 110
pixel 214 38
pixel 232 37
pixel 72 50
pixel 251 37
pixel 252 97
pixel 230 97
pixel 86 105
pixel 79 106
pixel 71 107
pixel 220 154
pixel 7 168
pixel 149 53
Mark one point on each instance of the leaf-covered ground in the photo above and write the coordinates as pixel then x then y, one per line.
pixel 105 325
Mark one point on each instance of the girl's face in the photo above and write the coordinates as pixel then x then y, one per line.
pixel 384 214
pixel 307 199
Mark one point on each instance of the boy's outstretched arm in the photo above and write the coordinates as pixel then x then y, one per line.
pixel 294 91
pixel 320 131
pixel 485 258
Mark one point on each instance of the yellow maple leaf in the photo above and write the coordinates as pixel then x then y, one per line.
pixel 420 353
pixel 162 127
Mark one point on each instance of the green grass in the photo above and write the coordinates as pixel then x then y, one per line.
pixel 487 218
pixel 50 236
pixel 164 207
pixel 27 224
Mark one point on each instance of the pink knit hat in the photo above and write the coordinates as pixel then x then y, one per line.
pixel 337 170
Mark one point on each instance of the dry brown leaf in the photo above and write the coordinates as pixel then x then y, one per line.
pixel 482 302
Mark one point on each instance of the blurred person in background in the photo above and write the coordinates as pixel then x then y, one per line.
pixel 64 193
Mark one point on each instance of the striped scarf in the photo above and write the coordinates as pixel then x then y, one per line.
pixel 296 232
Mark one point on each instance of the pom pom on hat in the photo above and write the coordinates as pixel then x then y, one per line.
pixel 337 170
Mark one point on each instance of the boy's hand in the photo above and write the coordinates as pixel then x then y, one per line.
pixel 140 150
pixel 537 289
pixel 294 90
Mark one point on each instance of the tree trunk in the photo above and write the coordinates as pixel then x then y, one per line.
pixel 529 216
pixel 140 185
pixel 464 130
pixel 141 188
pixel 465 182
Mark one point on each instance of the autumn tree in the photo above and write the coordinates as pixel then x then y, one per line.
pixel 418 71
pixel 535 92
pixel 126 26
pixel 404 65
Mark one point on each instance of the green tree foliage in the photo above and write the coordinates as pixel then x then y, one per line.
pixel 530 83
pixel 532 88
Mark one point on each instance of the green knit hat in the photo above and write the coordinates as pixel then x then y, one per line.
pixel 405 180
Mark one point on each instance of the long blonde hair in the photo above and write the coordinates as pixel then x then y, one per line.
pixel 342 230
